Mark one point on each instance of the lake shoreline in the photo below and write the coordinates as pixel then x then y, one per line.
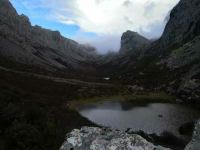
pixel 165 139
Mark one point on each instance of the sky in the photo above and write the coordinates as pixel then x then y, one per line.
pixel 99 23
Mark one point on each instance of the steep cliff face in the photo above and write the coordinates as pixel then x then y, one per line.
pixel 133 42
pixel 37 46
pixel 119 64
pixel 180 44
pixel 184 24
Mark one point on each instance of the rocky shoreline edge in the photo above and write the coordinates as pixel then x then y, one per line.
pixel 96 138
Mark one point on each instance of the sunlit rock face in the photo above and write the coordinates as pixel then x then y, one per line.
pixel 93 138
pixel 34 45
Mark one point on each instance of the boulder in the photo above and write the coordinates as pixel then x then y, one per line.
pixel 94 138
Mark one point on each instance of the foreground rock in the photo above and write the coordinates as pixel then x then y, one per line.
pixel 93 138
pixel 195 142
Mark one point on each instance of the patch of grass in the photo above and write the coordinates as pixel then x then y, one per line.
pixel 141 98
pixel 151 97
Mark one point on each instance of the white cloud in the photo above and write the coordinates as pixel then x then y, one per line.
pixel 110 18
pixel 116 16
pixel 102 42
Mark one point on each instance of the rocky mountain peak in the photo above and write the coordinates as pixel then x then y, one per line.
pixel 132 41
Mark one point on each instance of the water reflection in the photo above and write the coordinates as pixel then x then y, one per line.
pixel 151 118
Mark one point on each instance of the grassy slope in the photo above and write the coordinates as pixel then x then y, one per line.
pixel 137 98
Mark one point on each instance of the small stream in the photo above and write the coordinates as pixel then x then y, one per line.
pixel 150 118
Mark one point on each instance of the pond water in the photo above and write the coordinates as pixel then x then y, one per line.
pixel 151 118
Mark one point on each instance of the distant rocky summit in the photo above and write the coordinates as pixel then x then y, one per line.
pixel 94 138
pixel 133 42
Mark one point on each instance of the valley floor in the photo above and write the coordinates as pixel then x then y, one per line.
pixel 34 107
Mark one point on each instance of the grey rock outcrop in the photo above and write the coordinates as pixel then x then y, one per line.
pixel 93 138
pixel 133 42
pixel 33 45
pixel 195 142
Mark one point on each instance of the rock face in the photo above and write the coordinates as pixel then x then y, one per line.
pixel 34 45
pixel 173 60
pixel 184 24
pixel 180 44
pixel 132 41
pixel 93 138
pixel 195 142
pixel 187 60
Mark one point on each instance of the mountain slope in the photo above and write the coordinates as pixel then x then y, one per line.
pixel 179 46
pixel 172 63
pixel 184 24
pixel 34 45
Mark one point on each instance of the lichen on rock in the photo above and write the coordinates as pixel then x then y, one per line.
pixel 94 138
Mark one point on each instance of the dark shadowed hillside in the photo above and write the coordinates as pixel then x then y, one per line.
pixel 35 46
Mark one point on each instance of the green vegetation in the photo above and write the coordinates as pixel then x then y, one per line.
pixel 140 98
pixel 156 97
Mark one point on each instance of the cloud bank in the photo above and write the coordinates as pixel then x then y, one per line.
pixel 108 19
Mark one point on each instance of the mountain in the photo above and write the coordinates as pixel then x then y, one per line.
pixel 179 50
pixel 133 42
pixel 118 64
pixel 171 63
pixel 33 45
pixel 184 24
